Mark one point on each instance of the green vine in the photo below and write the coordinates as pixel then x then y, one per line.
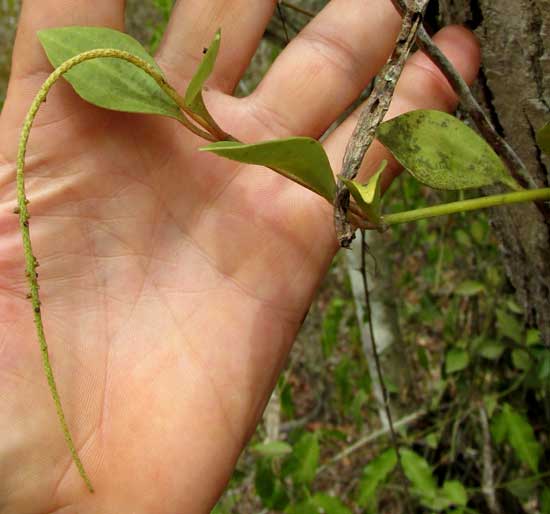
pixel 474 204
pixel 22 210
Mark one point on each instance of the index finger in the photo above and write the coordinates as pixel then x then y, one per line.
pixel 28 57
pixel 30 66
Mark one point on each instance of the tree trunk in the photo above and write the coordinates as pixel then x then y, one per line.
pixel 514 86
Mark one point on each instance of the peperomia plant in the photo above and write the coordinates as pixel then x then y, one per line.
pixel 111 70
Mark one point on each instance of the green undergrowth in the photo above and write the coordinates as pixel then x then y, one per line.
pixel 462 348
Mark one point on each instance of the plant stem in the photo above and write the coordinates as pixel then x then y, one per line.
pixel 372 114
pixel 488 487
pixel 30 260
pixel 531 195
pixel 385 395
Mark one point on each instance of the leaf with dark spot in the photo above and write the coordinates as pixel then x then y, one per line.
pixel 442 152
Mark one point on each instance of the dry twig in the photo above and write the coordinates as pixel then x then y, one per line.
pixel 373 113
pixel 406 420
pixel 488 484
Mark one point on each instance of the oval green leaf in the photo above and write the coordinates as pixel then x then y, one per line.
pixel 327 504
pixel 442 152
pixel 375 473
pixel 110 83
pixel 469 288
pixel 272 449
pixel 454 493
pixel 193 95
pixel 543 139
pixel 302 465
pixel 368 196
pixel 456 360
pixel 420 474
pixel 491 350
pixel 521 437
pixel 300 159
pixel 521 360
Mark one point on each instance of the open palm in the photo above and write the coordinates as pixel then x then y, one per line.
pixel 173 282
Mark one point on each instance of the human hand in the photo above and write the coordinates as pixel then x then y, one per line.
pixel 173 282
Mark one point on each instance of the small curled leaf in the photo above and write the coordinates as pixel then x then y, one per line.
pixel 193 95
pixel 368 196
pixel 515 427
pixel 272 449
pixel 442 152
pixel 300 159
pixel 108 82
pixel 374 474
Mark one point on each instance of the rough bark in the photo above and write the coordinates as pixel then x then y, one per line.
pixel 515 87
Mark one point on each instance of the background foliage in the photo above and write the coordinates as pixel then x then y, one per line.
pixel 469 383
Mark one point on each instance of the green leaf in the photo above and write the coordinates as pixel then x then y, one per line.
pixel 524 489
pixel 514 307
pixel 300 159
pixel 287 402
pixel 272 449
pixel 302 464
pixel 442 152
pixel 522 437
pixel 329 504
pixel 331 326
pixel 463 238
pixel 356 409
pixel 447 498
pixel 305 507
pixel 456 360
pixel 454 492
pixel 533 337
pixel 545 501
pixel 543 368
pixel 108 82
pixel 491 402
pixel 343 382
pixel 264 480
pixel 470 288
pixel 193 95
pixel 491 350
pixel 320 503
pixel 368 196
pixel 521 360
pixel 420 474
pixel 499 428
pixel 268 487
pixel 543 139
pixel 432 440
pixel 374 474
pixel 423 357
pixel 478 231
pixel 509 326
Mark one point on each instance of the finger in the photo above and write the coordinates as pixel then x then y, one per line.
pixel 30 66
pixel 192 26
pixel 28 57
pixel 325 67
pixel 421 86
